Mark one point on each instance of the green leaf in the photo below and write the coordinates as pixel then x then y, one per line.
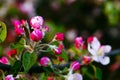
pixel 3 31
pixel 64 55
pixel 42 76
pixel 98 74
pixel 19 46
pixel 16 67
pixel 29 60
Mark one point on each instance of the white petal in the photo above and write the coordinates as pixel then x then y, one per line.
pixel 104 60
pixel 92 51
pixel 107 48
pixel 77 76
pixel 95 44
pixel 95 58
pixel 70 77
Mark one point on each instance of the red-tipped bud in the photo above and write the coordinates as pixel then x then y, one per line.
pixel 60 58
pixel 75 65
pixel 36 35
pixel 19 31
pixel 59 36
pixel 90 39
pixel 57 51
pixel 61 46
pixel 50 78
pixel 12 52
pixel 86 59
pixel 44 61
pixel 23 22
pixel 36 22
pixel 78 42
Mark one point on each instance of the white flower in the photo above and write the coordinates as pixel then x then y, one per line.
pixel 98 52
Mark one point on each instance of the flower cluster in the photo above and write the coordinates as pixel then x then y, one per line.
pixel 51 59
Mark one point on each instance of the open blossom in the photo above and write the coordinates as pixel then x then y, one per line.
pixel 9 77
pixel 99 51
pixel 78 42
pixel 4 60
pixel 75 76
pixel 36 35
pixel 59 36
pixel 36 22
pixel 44 61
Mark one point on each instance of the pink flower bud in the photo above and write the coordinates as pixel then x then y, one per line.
pixel 57 51
pixel 86 59
pixel 36 35
pixel 78 42
pixel 44 61
pixel 90 39
pixel 23 22
pixel 16 23
pixel 19 31
pixel 4 60
pixel 50 78
pixel 61 46
pixel 12 52
pixel 36 22
pixel 59 36
pixel 75 65
pixel 9 77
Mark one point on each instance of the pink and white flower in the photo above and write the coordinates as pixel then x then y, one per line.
pixel 36 22
pixel 4 60
pixel 9 77
pixel 99 52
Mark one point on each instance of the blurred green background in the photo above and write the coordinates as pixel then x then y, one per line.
pixel 75 18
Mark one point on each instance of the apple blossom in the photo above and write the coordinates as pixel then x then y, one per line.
pixel 58 51
pixel 59 36
pixel 86 59
pixel 16 23
pixel 4 60
pixel 9 77
pixel 36 22
pixel 78 42
pixel 44 61
pixel 99 52
pixel 76 76
pixel 19 31
pixel 36 35
pixel 75 65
